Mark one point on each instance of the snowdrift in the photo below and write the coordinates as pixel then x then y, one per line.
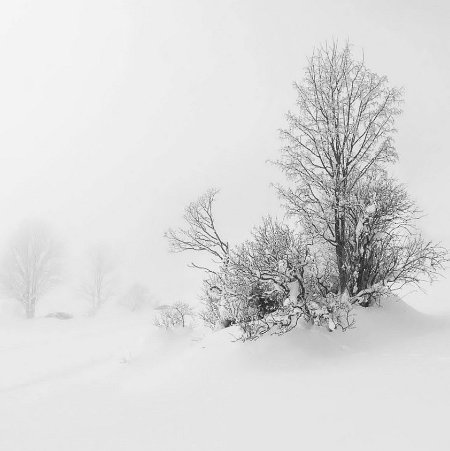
pixel 382 385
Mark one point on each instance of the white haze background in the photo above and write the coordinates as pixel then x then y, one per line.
pixel 115 114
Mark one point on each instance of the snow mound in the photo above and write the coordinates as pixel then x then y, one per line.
pixel 382 385
pixel 376 328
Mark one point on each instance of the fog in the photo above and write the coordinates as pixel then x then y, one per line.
pixel 114 115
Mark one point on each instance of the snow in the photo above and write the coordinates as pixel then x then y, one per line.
pixel 115 382
pixel 294 291
pixel 371 209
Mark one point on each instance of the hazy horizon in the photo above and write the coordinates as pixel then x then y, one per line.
pixel 116 114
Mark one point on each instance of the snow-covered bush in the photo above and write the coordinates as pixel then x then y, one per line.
pixel 283 275
pixel 268 283
pixel 264 300
pixel 331 312
pixel 172 316
pixel 165 318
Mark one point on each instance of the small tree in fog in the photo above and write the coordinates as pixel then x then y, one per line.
pixel 166 318
pixel 98 284
pixel 182 311
pixel 137 297
pixel 173 315
pixel 31 266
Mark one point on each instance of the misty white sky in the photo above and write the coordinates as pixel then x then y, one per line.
pixel 114 114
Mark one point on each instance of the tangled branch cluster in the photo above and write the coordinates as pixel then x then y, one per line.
pixel 355 238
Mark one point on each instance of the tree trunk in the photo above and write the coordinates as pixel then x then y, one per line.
pixel 339 230
pixel 341 268
pixel 30 308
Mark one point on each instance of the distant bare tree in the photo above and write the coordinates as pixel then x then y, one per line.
pixel 98 284
pixel 32 265
pixel 136 297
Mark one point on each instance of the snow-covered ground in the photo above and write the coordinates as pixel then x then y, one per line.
pixel 117 383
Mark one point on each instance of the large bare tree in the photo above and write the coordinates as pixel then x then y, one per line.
pixel 342 127
pixel 357 239
pixel 31 265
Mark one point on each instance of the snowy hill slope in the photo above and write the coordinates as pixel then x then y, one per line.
pixel 383 385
